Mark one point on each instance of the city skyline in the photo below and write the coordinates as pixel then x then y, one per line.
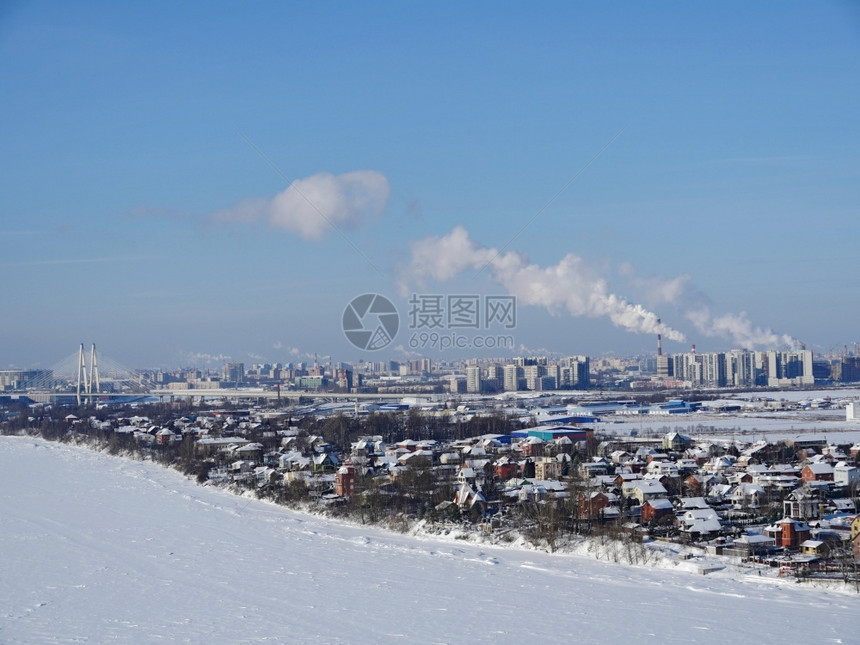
pixel 183 184
pixel 734 368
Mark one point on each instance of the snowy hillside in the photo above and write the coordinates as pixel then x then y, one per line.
pixel 96 548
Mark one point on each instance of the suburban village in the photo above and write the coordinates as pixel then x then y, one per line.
pixel 788 506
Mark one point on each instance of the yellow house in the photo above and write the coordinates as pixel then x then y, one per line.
pixel 547 468
pixel 814 547
pixel 855 536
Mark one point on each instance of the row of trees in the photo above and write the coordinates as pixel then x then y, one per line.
pixel 341 430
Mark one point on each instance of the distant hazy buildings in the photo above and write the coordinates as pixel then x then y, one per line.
pixel 19 379
pixel 538 373
pixel 736 368
pixel 845 369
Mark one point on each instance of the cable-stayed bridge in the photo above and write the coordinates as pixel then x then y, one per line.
pixel 86 374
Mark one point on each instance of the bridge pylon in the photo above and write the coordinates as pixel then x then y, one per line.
pixel 89 379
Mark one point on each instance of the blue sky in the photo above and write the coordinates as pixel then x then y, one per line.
pixel 145 147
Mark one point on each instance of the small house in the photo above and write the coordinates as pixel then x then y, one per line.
pixel 344 481
pixel 815 547
pixel 817 472
pixel 643 489
pixel 788 533
pixel 165 436
pixel 654 510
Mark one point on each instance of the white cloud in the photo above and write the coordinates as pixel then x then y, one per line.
pixel 443 258
pixel 407 353
pixel 311 206
pixel 196 358
pixel 294 352
pixel 525 350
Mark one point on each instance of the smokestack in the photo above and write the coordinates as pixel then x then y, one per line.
pixel 694 348
pixel 659 341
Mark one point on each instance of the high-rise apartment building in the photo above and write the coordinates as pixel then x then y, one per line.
pixel 473 379
pixel 511 377
pixel 532 373
pixel 793 367
pixel 233 373
pixel 742 368
pixel 575 372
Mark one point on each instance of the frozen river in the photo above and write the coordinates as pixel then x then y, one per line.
pixel 98 549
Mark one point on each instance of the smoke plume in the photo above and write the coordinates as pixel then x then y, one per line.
pixel 738 328
pixel 570 285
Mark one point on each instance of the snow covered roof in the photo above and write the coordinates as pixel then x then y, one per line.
pixel 700 514
pixel 221 441
pixel 660 504
pixel 753 538
pixel 703 525
pixel 645 485
pixel 466 496
pixel 693 503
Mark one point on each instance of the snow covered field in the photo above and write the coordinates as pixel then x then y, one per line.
pixel 97 549
pixel 750 424
pixel 741 427
pixel 754 422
